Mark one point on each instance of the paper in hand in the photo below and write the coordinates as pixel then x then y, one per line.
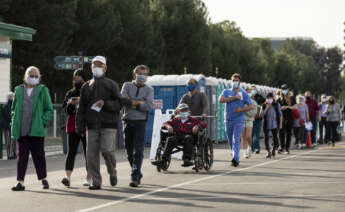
pixel 95 107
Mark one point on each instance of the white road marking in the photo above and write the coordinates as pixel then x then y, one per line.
pixel 266 183
pixel 188 183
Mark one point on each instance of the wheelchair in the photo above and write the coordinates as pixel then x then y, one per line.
pixel 202 152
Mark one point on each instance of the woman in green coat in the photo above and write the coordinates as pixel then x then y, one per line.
pixel 32 110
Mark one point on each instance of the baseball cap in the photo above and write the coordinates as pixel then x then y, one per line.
pixel 100 59
pixel 182 106
pixel 284 87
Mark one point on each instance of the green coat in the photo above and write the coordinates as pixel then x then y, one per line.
pixel 42 111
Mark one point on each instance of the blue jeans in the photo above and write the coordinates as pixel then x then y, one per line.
pixel 134 143
pixel 256 134
pixel 233 133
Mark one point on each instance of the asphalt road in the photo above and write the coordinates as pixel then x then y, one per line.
pixel 305 180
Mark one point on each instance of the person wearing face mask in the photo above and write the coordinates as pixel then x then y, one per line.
pixel 32 110
pixel 273 120
pixel 183 126
pixel 333 119
pixel 237 103
pixel 299 123
pixel 257 120
pixel 247 132
pixel 135 117
pixel 98 114
pixel 5 124
pixel 70 105
pixel 287 104
pixel 323 120
pixel 196 101
pixel 314 114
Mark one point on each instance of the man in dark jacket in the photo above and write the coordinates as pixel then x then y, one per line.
pixel 99 107
pixel 5 124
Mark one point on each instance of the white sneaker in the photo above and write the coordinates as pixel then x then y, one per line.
pixel 245 154
pixel 249 151
pixel 87 182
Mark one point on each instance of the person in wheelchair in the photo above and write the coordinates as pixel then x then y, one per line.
pixel 182 130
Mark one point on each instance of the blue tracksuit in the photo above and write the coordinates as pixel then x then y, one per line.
pixel 234 121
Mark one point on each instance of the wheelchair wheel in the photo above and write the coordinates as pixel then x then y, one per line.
pixel 159 157
pixel 208 154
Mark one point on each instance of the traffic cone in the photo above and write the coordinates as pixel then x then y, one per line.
pixel 308 143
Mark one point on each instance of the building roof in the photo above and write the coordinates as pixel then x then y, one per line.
pixel 16 32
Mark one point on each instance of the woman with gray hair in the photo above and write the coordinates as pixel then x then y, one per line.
pixel 333 119
pixel 299 123
pixel 32 110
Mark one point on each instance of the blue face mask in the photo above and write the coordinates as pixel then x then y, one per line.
pixel 253 92
pixel 190 87
pixel 184 115
pixel 285 92
pixel 235 84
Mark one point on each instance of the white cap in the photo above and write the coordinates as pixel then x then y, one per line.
pixel 100 59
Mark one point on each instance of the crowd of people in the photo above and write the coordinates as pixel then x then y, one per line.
pixel 93 111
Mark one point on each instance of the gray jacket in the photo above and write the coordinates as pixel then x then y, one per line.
pixel 133 92
pixel 333 112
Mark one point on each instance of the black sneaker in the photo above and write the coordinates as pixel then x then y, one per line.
pixel 134 183
pixel 187 163
pixel 65 181
pixel 234 163
pixel 95 187
pixel 257 152
pixel 273 153
pixel 156 162
pixel 18 187
pixel 113 180
pixel 280 151
pixel 45 184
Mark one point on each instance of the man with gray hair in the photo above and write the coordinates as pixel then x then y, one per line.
pixel 135 118
pixel 98 114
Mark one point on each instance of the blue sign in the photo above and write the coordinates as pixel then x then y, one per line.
pixel 5 50
pixel 71 62
pixel 69 59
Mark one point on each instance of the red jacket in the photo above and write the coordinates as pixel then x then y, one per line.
pixel 186 127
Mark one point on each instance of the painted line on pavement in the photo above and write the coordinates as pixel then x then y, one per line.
pixel 189 182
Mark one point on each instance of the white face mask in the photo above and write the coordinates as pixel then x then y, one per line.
pixel 32 81
pixel 97 72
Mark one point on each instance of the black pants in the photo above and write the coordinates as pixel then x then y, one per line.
pixel 275 139
pixel 313 131
pixel 35 146
pixel 299 133
pixel 332 130
pixel 185 140
pixel 322 125
pixel 285 135
pixel 73 143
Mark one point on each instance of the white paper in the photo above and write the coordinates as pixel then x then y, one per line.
pixel 240 93
pixel 95 107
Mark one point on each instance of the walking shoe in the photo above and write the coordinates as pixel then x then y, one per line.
pixel 66 182
pixel 87 182
pixel 234 163
pixel 287 152
pixel 280 151
pixel 113 180
pixel 45 184
pixel 18 187
pixel 269 154
pixel 245 153
pixel 134 183
pixel 94 187
pixel 257 151
pixel 273 153
pixel 249 151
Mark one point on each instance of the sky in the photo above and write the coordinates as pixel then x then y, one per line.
pixel 322 20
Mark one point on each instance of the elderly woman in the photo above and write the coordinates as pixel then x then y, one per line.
pixel 299 123
pixel 333 119
pixel 32 110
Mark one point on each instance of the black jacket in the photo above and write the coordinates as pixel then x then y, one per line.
pixel 93 91
pixel 6 115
